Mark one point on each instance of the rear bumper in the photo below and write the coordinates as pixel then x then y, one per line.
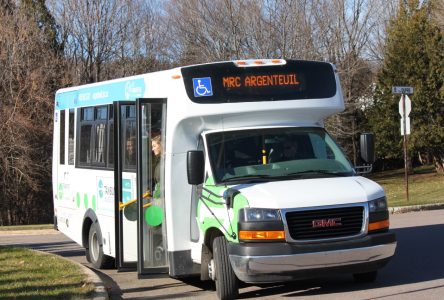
pixel 274 262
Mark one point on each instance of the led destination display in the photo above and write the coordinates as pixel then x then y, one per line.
pixel 227 82
pixel 260 80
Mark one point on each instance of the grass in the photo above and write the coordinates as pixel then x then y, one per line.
pixel 26 227
pixel 27 274
pixel 425 186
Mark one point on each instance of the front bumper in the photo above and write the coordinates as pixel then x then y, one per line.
pixel 274 262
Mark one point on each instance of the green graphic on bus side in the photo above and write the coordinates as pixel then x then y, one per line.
pixel 78 200
pixel 93 203
pixel 239 201
pixel 60 191
pixel 217 203
pixel 85 201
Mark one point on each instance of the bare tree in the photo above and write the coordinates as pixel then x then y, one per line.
pixel 28 78
pixel 108 39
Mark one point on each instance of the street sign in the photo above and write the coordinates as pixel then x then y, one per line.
pixel 408 106
pixel 407 126
pixel 407 90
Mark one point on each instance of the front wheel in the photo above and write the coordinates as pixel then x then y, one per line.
pixel 95 249
pixel 227 286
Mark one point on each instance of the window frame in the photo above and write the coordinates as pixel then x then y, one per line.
pixel 108 121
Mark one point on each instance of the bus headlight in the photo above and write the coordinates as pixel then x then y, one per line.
pixel 379 204
pixel 260 224
pixel 378 215
pixel 260 214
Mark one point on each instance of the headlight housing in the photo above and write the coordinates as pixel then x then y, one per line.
pixel 260 225
pixel 378 215
pixel 376 205
pixel 251 214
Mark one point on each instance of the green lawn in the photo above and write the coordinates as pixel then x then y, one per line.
pixel 26 227
pixel 425 186
pixel 26 274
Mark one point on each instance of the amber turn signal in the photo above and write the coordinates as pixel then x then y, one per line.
pixel 379 225
pixel 261 235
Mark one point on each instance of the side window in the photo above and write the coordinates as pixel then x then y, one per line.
pixel 111 137
pixel 101 119
pixel 62 138
pixel 86 125
pixel 129 140
pixel 71 137
pixel 95 136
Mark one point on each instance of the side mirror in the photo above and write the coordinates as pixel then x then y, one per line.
pixel 195 167
pixel 367 147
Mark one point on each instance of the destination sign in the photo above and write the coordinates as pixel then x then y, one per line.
pixel 260 80
pixel 227 83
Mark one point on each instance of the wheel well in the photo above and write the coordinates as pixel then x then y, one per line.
pixel 207 251
pixel 211 234
pixel 85 231
pixel 88 219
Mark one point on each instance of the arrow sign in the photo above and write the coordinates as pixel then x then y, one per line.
pixel 407 126
pixel 408 106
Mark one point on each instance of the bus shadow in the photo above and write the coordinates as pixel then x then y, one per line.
pixel 418 258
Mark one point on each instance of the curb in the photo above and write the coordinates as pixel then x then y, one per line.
pixel 99 288
pixel 412 208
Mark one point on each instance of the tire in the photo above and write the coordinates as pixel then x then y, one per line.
pixel 365 277
pixel 227 286
pixel 95 249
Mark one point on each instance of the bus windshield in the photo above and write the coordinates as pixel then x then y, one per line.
pixel 275 154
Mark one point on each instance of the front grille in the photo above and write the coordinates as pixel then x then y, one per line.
pixel 301 224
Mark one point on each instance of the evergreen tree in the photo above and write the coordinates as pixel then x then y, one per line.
pixel 414 57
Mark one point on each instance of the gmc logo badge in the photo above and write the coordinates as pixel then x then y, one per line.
pixel 335 222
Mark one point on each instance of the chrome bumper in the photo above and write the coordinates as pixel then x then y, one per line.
pixel 274 268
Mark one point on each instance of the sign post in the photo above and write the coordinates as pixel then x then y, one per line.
pixel 405 106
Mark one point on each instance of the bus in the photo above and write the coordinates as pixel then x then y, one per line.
pixel 221 170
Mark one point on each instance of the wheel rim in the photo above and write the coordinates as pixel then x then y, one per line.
pixel 94 246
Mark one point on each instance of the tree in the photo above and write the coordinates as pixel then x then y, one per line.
pixel 28 79
pixel 415 57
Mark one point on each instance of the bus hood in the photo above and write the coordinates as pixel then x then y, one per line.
pixel 310 192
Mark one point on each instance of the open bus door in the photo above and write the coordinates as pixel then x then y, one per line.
pixel 125 182
pixel 152 248
pixel 139 182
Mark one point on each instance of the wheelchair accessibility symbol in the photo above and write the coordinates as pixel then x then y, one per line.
pixel 202 87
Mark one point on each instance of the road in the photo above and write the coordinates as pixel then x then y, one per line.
pixel 416 272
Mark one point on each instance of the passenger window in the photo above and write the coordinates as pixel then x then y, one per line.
pixel 100 135
pixel 111 137
pixel 85 136
pixel 62 137
pixel 85 144
pixel 71 137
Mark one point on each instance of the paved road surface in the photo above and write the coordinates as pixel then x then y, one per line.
pixel 416 272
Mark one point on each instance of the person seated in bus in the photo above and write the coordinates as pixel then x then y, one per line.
pixel 130 158
pixel 289 152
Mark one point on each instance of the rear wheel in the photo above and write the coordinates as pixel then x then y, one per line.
pixel 365 277
pixel 95 249
pixel 227 286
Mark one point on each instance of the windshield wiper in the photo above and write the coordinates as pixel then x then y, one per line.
pixel 250 176
pixel 324 172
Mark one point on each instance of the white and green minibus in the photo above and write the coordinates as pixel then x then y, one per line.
pixel 222 170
